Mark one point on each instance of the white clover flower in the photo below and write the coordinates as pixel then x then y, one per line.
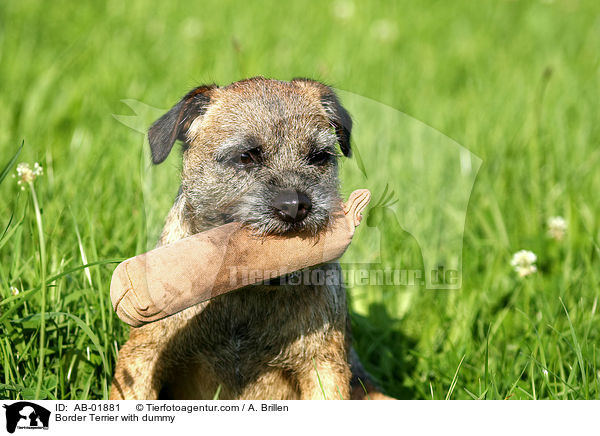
pixel 557 227
pixel 14 291
pixel 523 262
pixel 28 175
pixel 545 371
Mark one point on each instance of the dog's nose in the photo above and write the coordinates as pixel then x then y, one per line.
pixel 292 206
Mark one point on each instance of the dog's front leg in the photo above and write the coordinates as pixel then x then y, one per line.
pixel 135 375
pixel 326 380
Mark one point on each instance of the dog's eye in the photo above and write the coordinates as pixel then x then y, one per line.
pixel 320 157
pixel 253 156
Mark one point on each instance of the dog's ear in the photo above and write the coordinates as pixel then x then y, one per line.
pixel 340 119
pixel 338 116
pixel 173 125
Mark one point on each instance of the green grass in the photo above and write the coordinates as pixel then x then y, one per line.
pixel 515 82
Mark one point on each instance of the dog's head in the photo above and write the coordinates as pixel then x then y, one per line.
pixel 261 152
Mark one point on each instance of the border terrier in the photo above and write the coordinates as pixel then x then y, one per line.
pixel 264 153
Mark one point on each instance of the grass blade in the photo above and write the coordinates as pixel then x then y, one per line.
pixel 319 379
pixel 82 325
pixel 455 379
pixel 577 347
pixel 11 162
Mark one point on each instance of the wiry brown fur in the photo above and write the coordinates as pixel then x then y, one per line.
pixel 265 341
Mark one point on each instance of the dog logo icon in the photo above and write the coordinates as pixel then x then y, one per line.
pixel 26 415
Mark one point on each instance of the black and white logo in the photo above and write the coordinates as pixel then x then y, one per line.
pixel 26 415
